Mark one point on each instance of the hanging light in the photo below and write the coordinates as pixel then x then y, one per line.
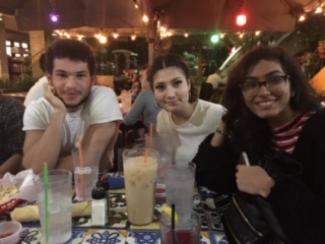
pixel 54 17
pixel 241 17
pixel 133 37
pixel 186 35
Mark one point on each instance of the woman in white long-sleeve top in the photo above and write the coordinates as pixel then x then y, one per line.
pixel 183 114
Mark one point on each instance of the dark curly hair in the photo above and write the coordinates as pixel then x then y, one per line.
pixel 248 130
pixel 71 49
pixel 172 60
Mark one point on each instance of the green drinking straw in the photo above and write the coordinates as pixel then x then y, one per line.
pixel 46 199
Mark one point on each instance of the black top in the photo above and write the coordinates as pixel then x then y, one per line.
pixel 11 124
pixel 298 196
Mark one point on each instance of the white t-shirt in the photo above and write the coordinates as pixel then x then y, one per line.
pixel 36 91
pixel 205 119
pixel 101 107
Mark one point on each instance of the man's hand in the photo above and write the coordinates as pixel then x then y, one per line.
pixel 49 94
pixel 254 180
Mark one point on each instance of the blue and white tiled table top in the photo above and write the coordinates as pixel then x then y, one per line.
pixel 31 235
pixel 119 231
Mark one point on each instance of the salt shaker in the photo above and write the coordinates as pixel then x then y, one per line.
pixel 98 207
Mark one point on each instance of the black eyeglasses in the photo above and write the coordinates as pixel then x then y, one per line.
pixel 271 82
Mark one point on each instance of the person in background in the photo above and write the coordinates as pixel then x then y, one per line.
pixel 145 108
pixel 206 91
pixel 121 82
pixel 274 116
pixel 214 79
pixel 142 115
pixel 37 90
pixel 135 89
pixel 72 107
pixel 11 135
pixel 304 59
pixel 182 114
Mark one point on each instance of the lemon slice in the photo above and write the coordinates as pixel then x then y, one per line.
pixel 168 211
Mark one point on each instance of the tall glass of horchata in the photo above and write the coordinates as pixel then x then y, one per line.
pixel 140 173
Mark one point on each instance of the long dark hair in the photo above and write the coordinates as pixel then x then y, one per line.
pixel 248 130
pixel 172 60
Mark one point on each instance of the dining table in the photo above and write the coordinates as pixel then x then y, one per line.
pixel 119 230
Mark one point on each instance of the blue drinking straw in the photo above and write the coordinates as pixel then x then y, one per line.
pixel 46 199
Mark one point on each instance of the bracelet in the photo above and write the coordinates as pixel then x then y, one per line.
pixel 218 130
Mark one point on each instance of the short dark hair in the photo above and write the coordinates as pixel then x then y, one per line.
pixel 172 60
pixel 250 129
pixel 71 49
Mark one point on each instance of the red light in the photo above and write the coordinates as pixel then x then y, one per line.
pixel 241 19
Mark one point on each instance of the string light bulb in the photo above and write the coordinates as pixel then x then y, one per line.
pixel 145 18
pixel 302 18
pixel 318 10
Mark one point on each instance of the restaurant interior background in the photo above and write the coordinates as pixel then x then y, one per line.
pixel 127 34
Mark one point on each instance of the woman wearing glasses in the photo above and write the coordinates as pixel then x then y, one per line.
pixel 275 117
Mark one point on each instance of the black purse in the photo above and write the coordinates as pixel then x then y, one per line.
pixel 249 219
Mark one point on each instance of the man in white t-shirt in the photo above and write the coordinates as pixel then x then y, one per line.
pixel 71 108
pixel 37 90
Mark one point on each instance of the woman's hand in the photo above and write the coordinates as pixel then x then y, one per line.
pixel 254 180
pixel 49 94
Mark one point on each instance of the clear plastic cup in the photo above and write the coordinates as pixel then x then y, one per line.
pixel 85 176
pixel 59 205
pixel 185 232
pixel 179 182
